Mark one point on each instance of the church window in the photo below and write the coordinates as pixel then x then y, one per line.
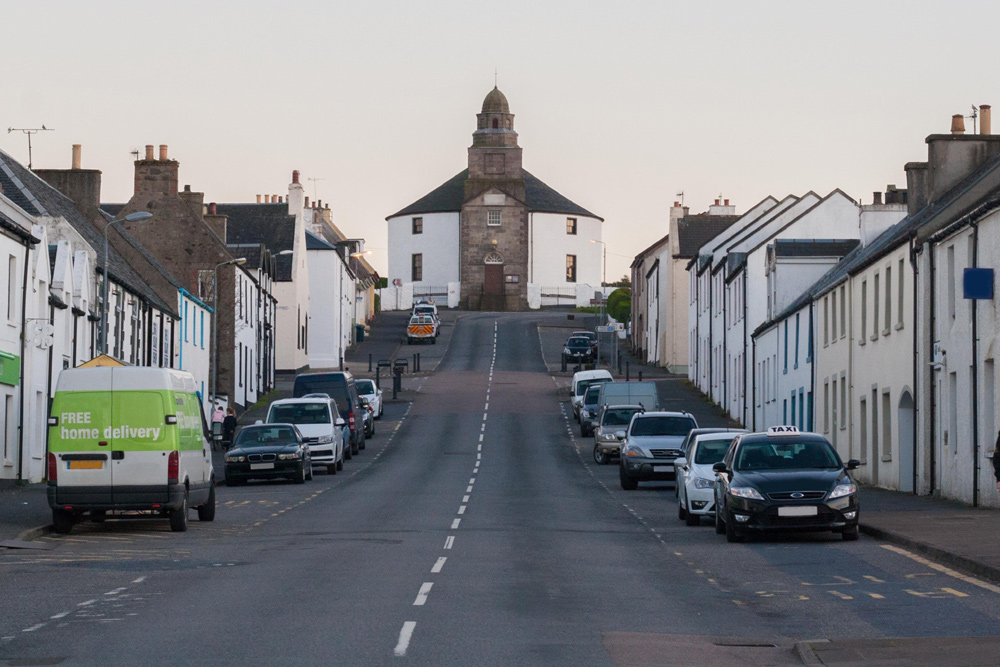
pixel 571 268
pixel 417 267
pixel 571 226
pixel 493 218
pixel 418 225
pixel 496 124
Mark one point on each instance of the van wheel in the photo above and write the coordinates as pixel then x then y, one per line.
pixel 361 445
pixel 62 521
pixel 348 453
pixel 331 469
pixel 206 512
pixel 340 463
pixel 179 516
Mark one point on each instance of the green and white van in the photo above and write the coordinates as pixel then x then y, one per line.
pixel 126 439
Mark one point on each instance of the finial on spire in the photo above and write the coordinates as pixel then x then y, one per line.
pixel 494 77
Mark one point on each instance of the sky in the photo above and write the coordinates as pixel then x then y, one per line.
pixel 618 106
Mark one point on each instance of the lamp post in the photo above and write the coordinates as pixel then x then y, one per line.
pixel 215 323
pixel 138 216
pixel 604 273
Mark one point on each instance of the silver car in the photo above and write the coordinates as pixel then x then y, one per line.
pixel 613 418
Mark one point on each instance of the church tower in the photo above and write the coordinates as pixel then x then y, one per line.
pixel 494 218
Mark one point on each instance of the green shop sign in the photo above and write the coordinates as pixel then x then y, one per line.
pixel 10 368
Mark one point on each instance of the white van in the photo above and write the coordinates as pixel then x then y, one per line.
pixel 320 424
pixel 128 438
pixel 578 386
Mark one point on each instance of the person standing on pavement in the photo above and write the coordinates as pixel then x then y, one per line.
pixel 228 428
pixel 219 415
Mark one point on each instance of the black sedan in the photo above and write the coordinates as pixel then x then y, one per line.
pixel 577 351
pixel 783 480
pixel 267 451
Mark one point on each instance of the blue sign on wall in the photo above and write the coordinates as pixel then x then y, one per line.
pixel 977 284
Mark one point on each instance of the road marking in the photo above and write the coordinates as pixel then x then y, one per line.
pixel 465 499
pixel 472 480
pixel 449 542
pixel 116 591
pixel 481 436
pixel 479 457
pixel 404 638
pixel 438 565
pixel 484 418
pixel 87 603
pixel 958 594
pixel 483 428
pixel 59 615
pixel 479 448
pixel 941 568
pixel 842 596
pixel 454 524
pixel 139 580
pixel 875 579
pixel 487 406
pixel 461 509
pixel 425 590
pixel 876 596
pixel 34 627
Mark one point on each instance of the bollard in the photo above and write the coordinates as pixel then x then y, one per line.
pixel 369 362
pixel 397 381
pixel 415 366
pixel 418 361
pixel 640 376
pixel 626 371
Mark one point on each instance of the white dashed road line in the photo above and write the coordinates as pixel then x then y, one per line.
pixel 449 542
pixel 404 638
pixel 422 594
pixel 438 565
pixel 454 524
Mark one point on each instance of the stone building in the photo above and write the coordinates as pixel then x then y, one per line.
pixel 494 229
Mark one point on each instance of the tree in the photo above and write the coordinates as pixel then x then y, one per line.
pixel 620 304
pixel 624 281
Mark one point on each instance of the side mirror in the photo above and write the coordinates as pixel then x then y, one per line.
pixel 853 464
pixel 680 462
pixel 719 467
pixel 620 435
pixel 340 421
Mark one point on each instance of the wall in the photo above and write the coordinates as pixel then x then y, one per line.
pixel 833 364
pixel 550 244
pixel 438 243
pixel 326 320
pixel 193 344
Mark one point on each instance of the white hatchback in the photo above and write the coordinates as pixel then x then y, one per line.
pixel 367 389
pixel 695 477
pixel 320 424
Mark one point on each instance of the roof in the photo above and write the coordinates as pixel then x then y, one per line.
pixel 314 242
pixel 814 247
pixel 495 102
pixel 694 231
pixel 450 195
pixel 37 197
pixel 269 224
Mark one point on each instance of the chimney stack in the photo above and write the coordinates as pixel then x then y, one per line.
pixel 258 199
pixel 77 157
pixel 957 124
pixel 877 198
pixel 984 119
pixel 149 151
pixel 163 151
pixel 295 176
pixel 217 223
pixel 156 176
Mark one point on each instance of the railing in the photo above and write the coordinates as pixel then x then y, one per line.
pixel 558 296
pixel 430 292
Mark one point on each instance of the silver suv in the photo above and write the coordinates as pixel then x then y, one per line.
pixel 613 418
pixel 652 442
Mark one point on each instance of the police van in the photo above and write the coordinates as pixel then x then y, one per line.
pixel 128 439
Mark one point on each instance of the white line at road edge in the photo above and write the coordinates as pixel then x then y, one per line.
pixel 404 638
pixel 425 590
pixel 942 569
pixel 438 565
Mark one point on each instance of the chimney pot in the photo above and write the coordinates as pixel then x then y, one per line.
pixel 957 124
pixel 149 151
pixel 258 199
pixel 211 208
pixel 77 149
pixel 717 202
pixel 187 188
pixel 726 202
pixel 307 202
pixel 295 176
pixel 676 204
pixel 274 199
pixel 163 151
pixel 319 203
pixel 876 198
pixel 984 119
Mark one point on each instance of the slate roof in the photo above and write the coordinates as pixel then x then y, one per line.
pixel 814 247
pixel 269 224
pixel 37 197
pixel 697 230
pixel 450 195
pixel 314 242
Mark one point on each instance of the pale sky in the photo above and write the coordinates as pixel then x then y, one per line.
pixel 619 106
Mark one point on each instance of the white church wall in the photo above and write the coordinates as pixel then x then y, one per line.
pixel 438 243
pixel 550 244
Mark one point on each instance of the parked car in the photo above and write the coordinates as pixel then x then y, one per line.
pixel 588 410
pixel 367 389
pixel 695 477
pixel 428 308
pixel 369 416
pixel 589 335
pixel 422 329
pixel 339 386
pixel 612 420
pixel 695 432
pixel 650 446
pixel 268 451
pixel 151 453
pixel 577 351
pixel 578 386
pixel 320 424
pixel 784 480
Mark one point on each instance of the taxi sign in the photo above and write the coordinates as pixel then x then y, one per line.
pixel 783 430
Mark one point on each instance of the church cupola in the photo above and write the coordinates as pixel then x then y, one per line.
pixel 495 123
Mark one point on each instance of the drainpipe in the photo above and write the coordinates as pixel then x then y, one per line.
pixel 811 344
pixel 930 355
pixel 24 324
pixel 975 374
pixel 724 380
pixel 753 396
pixel 744 304
pixel 916 391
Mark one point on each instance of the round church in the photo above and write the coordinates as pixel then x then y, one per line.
pixel 494 234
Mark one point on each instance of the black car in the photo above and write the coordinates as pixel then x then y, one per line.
pixel 341 388
pixel 784 480
pixel 267 451
pixel 577 351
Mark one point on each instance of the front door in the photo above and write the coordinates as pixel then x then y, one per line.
pixel 494 279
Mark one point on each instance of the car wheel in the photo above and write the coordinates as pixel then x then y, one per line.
pixel 301 477
pixel 732 535
pixel 720 525
pixel 691 519
pixel 627 482
pixel 851 534
pixel 235 481
pixel 179 516
pixel 373 426
pixel 681 512
pixel 309 471
pixel 331 469
pixel 62 521
pixel 206 512
pixel 600 458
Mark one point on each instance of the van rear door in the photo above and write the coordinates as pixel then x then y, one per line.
pixel 79 446
pixel 140 446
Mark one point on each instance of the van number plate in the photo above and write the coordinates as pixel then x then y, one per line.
pixel 85 465
pixel 261 466
pixel 799 510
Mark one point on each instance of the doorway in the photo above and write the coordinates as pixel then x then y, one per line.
pixel 905 417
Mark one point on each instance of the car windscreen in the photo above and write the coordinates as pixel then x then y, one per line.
pixel 333 386
pixel 264 436
pixel 578 343
pixel 593 393
pixel 709 452
pixel 785 455
pixel 618 416
pixel 299 413
pixel 365 386
pixel 660 425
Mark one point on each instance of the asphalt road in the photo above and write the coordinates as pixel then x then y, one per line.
pixel 475 528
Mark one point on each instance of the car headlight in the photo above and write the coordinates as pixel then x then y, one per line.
pixel 325 439
pixel 287 457
pixel 235 459
pixel 566 350
pixel 746 492
pixel 632 450
pixel 843 490
pixel 609 437
pixel 702 483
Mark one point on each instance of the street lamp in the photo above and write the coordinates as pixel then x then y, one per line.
pixel 215 323
pixel 138 216
pixel 604 273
